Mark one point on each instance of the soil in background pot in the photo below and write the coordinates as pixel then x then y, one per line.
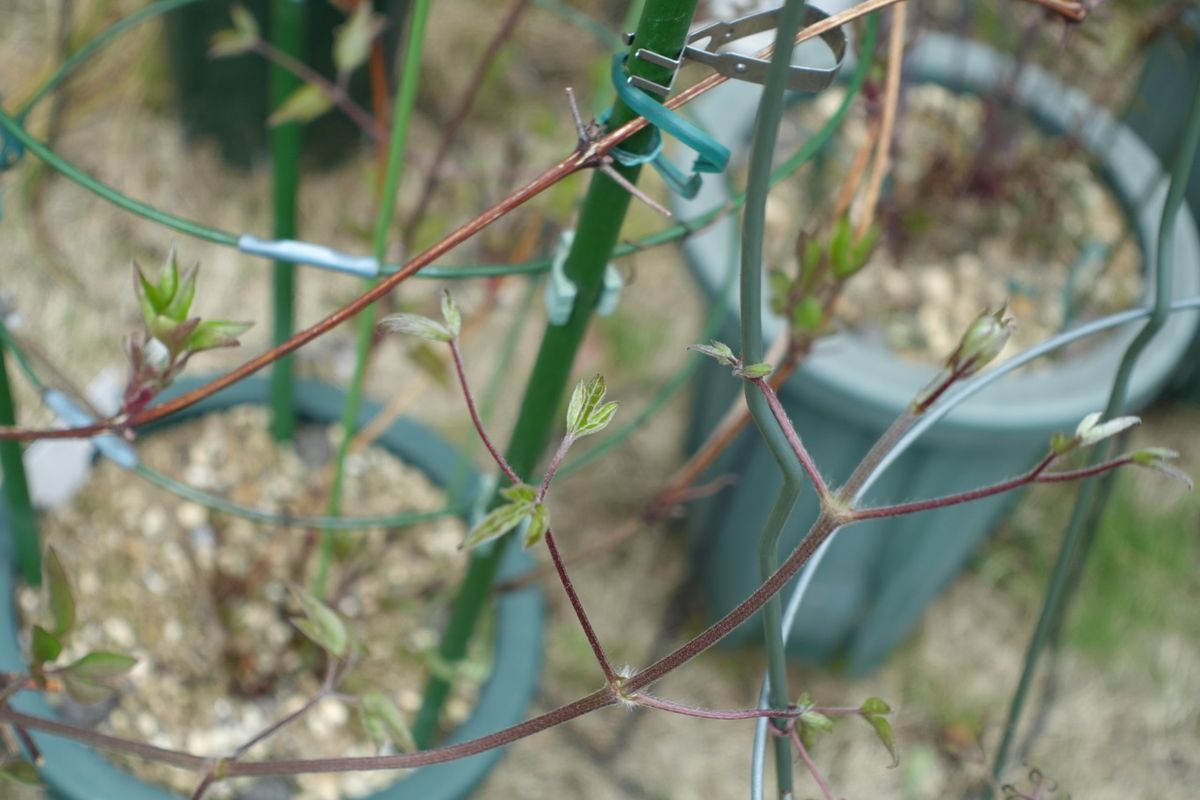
pixel 201 598
pixel 981 207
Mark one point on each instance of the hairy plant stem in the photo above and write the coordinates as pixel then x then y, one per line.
pixel 287 26
pixel 662 28
pixel 1070 556
pixel 707 713
pixel 328 684
pixel 887 442
pixel 561 568
pixel 610 675
pixel 406 98
pixel 812 767
pixel 766 133
pixel 469 397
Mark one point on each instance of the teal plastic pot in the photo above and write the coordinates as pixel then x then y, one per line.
pixel 1158 114
pixel 878 577
pixel 76 772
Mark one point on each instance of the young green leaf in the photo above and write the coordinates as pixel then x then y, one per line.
pixel 45 646
pixel 384 722
pixel 874 705
pixel 584 400
pixel 816 721
pixel 860 252
pixel 873 710
pixel 839 246
pixel 58 587
pixel 780 286
pixel 598 420
pixel 215 333
pixel 883 730
pixel 21 772
pixel 90 679
pixel 416 325
pixel 519 493
pixel 755 371
pixel 352 40
pixel 243 21
pixel 498 522
pixel 539 523
pixel 1063 443
pixel 812 257
pixel 149 299
pixel 808 314
pixel 85 691
pixel 168 279
pixel 101 666
pixel 183 294
pixel 428 359
pixel 321 624
pixel 718 351
pixel 1091 430
pixel 1155 458
pixel 451 314
pixel 228 42
pixel 306 103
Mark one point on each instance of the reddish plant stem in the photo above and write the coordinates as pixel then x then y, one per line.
pixel 559 567
pixel 821 530
pixel 793 439
pixel 812 767
pixel 555 463
pixel 1032 476
pixel 496 455
pixel 1085 472
pixel 328 684
pixel 564 577
pixel 580 159
pixel 704 713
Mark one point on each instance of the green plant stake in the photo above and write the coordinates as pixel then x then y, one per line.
pixel 1071 555
pixel 766 133
pixel 410 74
pixel 287 31
pixel 16 486
pixel 663 28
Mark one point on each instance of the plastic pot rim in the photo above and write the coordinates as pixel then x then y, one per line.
pixel 869 381
pixel 73 770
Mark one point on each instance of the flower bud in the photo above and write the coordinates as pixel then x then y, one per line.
pixel 982 342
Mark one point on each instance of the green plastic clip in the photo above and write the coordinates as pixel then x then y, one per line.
pixel 561 291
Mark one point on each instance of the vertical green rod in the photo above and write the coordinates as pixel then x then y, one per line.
pixel 1069 554
pixel 406 97
pixel 663 28
pixel 287 30
pixel 766 134
pixel 22 520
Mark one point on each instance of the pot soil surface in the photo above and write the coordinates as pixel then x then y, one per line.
pixel 202 598
pixel 981 208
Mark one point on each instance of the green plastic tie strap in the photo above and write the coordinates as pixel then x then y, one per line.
pixel 711 155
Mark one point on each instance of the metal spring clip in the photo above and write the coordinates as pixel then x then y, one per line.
pixel 743 67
